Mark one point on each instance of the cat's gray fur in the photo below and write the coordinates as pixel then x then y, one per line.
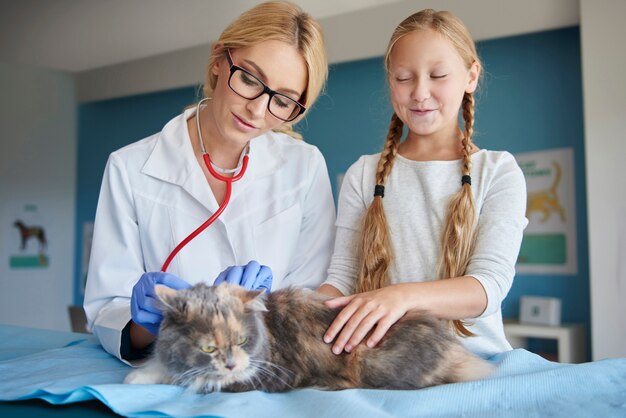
pixel 274 343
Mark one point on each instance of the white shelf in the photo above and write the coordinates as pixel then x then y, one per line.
pixel 570 338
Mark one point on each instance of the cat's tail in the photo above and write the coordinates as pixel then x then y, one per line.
pixel 466 366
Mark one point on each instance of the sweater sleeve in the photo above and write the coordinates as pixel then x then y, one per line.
pixel 501 223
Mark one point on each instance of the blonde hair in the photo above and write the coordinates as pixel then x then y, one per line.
pixel 278 21
pixel 459 228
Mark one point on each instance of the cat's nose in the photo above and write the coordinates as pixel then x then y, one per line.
pixel 230 365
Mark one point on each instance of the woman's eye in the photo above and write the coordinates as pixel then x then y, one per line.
pixel 242 341
pixel 248 80
pixel 281 102
pixel 436 76
pixel 208 348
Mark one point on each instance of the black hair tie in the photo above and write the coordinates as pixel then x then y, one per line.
pixel 466 179
pixel 379 190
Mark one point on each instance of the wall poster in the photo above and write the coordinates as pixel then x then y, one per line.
pixel 549 244
pixel 26 238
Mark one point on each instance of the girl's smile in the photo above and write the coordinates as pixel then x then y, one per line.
pixel 422 112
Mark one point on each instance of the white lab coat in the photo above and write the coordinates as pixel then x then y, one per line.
pixel 154 193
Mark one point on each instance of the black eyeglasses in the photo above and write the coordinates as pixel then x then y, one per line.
pixel 250 87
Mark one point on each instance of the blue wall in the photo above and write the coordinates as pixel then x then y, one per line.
pixel 530 99
pixel 533 101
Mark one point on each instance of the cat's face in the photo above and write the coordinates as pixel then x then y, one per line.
pixel 210 336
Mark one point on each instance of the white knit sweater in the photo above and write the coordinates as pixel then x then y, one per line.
pixel 416 197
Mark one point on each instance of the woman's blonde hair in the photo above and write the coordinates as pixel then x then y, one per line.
pixel 277 21
pixel 459 228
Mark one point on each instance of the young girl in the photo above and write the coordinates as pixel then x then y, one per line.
pixel 265 70
pixel 432 222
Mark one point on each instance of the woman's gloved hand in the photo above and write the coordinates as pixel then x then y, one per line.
pixel 252 276
pixel 144 306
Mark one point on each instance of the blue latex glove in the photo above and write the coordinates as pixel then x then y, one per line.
pixel 144 305
pixel 252 276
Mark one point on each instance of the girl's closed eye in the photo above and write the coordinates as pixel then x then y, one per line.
pixel 402 77
pixel 439 71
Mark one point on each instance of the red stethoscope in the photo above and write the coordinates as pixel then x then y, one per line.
pixel 218 173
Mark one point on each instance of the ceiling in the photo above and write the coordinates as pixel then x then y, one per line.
pixel 81 35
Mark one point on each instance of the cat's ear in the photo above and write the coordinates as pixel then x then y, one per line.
pixel 165 293
pixel 253 300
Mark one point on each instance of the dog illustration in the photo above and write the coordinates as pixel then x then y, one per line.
pixel 547 201
pixel 27 232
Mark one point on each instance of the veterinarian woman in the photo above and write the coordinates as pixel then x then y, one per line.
pixel 264 72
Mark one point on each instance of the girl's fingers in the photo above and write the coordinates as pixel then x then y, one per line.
pixel 365 326
pixel 348 329
pixel 339 302
pixel 339 322
pixel 370 313
pixel 382 327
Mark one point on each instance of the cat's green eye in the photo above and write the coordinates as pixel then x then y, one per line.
pixel 208 348
pixel 242 341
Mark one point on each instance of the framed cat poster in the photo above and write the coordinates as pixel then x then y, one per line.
pixel 549 244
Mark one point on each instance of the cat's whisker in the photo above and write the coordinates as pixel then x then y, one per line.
pixel 280 368
pixel 271 375
pixel 252 379
pixel 189 374
pixel 187 378
pixel 266 372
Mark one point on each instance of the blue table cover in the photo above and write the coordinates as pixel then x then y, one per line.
pixel 63 368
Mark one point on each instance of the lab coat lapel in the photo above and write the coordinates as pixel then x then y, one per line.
pixel 265 159
pixel 173 161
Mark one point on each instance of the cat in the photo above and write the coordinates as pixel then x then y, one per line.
pixel 225 338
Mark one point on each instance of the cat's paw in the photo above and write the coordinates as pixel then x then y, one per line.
pixel 142 377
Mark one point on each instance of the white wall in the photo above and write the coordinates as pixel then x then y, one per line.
pixel 351 36
pixel 604 89
pixel 37 167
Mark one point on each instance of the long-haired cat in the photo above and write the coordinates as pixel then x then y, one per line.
pixel 226 338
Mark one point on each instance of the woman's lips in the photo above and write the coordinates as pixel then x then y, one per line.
pixel 242 124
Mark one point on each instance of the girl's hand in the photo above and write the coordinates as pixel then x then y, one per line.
pixel 361 313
